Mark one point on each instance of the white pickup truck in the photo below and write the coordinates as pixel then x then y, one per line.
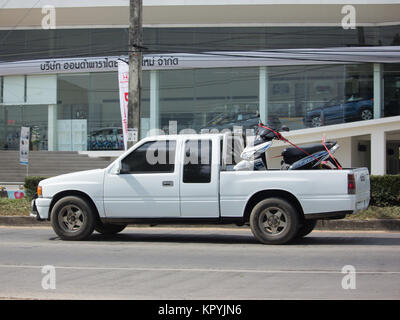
pixel 185 179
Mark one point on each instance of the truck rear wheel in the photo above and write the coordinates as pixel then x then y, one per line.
pixel 274 221
pixel 72 218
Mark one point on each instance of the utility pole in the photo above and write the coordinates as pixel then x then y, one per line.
pixel 135 69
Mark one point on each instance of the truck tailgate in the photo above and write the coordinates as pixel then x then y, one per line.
pixel 361 177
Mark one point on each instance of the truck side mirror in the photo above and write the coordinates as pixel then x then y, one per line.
pixel 123 168
pixel 117 168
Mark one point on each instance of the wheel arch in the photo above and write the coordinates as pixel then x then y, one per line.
pixel 366 107
pixel 76 193
pixel 275 193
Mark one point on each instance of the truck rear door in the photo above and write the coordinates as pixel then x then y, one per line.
pixel 199 185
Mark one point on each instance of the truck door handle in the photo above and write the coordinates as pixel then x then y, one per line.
pixel 167 183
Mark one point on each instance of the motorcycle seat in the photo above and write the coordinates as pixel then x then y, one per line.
pixel 292 152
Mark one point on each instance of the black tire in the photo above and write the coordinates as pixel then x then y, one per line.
pixel 366 113
pixel 274 221
pixel 109 228
pixel 306 228
pixel 72 218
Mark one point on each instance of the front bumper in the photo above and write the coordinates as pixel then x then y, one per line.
pixel 34 213
pixel 40 208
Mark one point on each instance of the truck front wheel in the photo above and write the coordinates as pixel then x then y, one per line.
pixel 274 221
pixel 72 218
pixel 108 228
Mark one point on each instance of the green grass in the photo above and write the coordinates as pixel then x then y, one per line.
pixel 15 207
pixel 376 213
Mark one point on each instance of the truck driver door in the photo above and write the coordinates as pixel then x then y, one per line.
pixel 199 186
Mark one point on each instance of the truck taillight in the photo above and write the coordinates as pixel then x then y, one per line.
pixel 351 184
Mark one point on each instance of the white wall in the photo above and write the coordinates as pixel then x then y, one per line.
pixel 14 90
pixel 41 89
pixel 361 158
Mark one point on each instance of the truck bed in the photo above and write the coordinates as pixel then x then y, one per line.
pixel 318 191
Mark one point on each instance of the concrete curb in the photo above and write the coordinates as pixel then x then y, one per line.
pixel 21 221
pixel 368 225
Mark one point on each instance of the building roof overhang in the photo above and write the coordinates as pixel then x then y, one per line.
pixel 27 14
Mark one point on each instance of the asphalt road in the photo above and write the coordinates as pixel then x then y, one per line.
pixel 202 263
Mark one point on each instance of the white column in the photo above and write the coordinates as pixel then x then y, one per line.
pixel 378 90
pixel 154 100
pixel 378 152
pixel 52 127
pixel 344 154
pixel 263 94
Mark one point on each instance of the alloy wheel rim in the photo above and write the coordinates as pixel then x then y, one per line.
pixel 366 115
pixel 316 122
pixel 273 221
pixel 71 218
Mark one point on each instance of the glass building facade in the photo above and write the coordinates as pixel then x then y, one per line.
pixel 58 43
pixel 85 114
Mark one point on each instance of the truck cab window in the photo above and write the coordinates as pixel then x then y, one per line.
pixel 197 161
pixel 151 157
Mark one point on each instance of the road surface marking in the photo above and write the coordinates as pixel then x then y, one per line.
pixel 194 270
